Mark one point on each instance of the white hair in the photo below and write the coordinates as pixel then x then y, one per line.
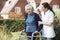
pixel 28 6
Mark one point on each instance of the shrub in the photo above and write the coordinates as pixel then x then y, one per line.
pixel 13 24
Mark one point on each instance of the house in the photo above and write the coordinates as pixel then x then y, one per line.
pixel 20 3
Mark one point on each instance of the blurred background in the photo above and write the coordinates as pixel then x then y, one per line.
pixel 12 19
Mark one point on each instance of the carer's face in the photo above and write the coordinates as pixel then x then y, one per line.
pixel 30 11
pixel 43 8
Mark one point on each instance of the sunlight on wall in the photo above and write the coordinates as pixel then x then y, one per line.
pixel 8 7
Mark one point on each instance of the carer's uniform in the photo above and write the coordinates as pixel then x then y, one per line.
pixel 48 31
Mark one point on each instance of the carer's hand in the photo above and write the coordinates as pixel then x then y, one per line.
pixel 40 22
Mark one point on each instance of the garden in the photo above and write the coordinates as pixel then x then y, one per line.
pixel 10 28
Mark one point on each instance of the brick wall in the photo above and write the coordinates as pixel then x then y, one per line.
pixel 55 2
pixel 22 3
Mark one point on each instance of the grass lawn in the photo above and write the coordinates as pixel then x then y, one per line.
pixel 16 36
pixel 12 36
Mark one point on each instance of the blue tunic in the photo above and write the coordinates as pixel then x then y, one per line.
pixel 30 23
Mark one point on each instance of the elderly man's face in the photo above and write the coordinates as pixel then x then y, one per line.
pixel 30 11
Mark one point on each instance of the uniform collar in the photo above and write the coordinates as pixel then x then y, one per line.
pixel 47 12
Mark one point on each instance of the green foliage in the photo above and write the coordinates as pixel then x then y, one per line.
pixel 57 28
pixel 12 24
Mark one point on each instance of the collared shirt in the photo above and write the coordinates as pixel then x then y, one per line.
pixel 48 31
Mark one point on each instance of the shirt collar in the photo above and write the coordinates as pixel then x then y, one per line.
pixel 47 12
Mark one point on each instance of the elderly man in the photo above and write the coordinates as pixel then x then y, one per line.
pixel 31 21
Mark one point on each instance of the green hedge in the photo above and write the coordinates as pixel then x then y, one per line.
pixel 57 24
pixel 57 28
pixel 13 24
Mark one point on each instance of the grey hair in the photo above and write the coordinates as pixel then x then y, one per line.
pixel 29 7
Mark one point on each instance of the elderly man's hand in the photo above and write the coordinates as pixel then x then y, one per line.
pixel 23 30
pixel 36 32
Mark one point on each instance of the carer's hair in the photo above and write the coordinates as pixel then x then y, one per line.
pixel 46 5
